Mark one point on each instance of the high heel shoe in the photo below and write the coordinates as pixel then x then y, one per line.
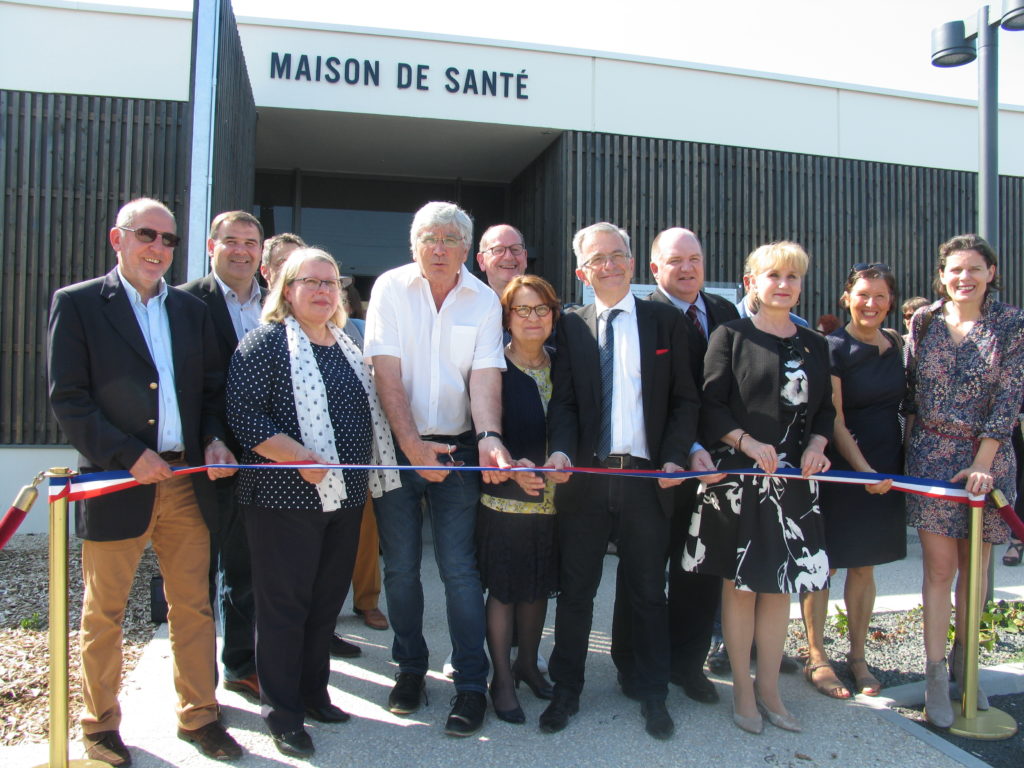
pixel 937 707
pixel 754 725
pixel 786 722
pixel 542 690
pixel 514 716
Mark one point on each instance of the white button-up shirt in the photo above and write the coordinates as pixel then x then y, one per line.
pixel 156 330
pixel 437 348
pixel 628 433
pixel 244 315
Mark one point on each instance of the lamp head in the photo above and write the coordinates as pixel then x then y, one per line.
pixel 1013 15
pixel 950 46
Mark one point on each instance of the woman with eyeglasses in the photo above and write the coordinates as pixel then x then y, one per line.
pixel 864 525
pixel 964 365
pixel 298 391
pixel 767 403
pixel 516 545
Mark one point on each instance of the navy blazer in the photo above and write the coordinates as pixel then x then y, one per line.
pixel 670 400
pixel 103 391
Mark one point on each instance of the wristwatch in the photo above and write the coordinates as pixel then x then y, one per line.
pixel 487 433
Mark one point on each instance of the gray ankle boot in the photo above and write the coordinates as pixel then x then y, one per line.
pixel 937 707
pixel 956 675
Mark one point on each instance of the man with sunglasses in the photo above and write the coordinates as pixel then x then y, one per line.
pixel 502 255
pixel 235 301
pixel 623 398
pixel 136 384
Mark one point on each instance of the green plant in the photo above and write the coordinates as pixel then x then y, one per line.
pixel 35 621
pixel 997 616
pixel 841 621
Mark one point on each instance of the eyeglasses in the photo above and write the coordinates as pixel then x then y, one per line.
pixel 868 267
pixel 599 262
pixel 448 241
pixel 315 284
pixel 147 235
pixel 499 250
pixel 524 310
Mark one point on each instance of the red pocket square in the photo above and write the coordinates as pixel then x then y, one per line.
pixel 661 351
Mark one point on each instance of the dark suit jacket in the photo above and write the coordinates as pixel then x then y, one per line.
pixel 719 311
pixel 670 400
pixel 103 391
pixel 742 384
pixel 208 290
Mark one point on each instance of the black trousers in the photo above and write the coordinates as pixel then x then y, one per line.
pixel 625 510
pixel 692 601
pixel 302 564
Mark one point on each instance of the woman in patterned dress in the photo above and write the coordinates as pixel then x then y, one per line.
pixel 298 390
pixel 965 379
pixel 767 403
pixel 515 531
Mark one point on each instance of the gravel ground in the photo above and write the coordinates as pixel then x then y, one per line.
pixel 24 682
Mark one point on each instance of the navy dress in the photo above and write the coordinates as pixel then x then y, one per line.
pixel 863 529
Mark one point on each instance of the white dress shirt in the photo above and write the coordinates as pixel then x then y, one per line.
pixel 437 348
pixel 156 330
pixel 244 315
pixel 628 433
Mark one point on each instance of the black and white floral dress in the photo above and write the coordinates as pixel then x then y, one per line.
pixel 765 533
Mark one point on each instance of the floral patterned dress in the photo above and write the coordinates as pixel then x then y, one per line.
pixel 765 533
pixel 960 394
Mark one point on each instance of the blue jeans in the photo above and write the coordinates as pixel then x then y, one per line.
pixel 451 505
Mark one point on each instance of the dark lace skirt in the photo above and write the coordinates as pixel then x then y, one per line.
pixel 517 555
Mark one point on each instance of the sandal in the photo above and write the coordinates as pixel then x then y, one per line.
pixel 867 684
pixel 1014 552
pixel 833 688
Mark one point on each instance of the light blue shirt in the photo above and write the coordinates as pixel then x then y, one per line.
pixel 156 330
pixel 244 315
pixel 741 307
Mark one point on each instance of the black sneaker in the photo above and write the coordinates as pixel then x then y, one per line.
pixel 467 715
pixel 408 695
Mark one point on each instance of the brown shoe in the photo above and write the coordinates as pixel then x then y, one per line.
pixel 107 747
pixel 213 740
pixel 373 618
pixel 248 686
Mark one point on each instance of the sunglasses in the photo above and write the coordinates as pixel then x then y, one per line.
pixel 147 235
pixel 869 267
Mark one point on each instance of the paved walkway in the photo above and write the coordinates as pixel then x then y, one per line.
pixel 608 731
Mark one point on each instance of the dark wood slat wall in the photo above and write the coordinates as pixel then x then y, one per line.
pixel 735 198
pixel 234 144
pixel 67 164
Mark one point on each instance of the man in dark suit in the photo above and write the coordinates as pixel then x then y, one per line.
pixel 623 397
pixel 136 384
pixel 235 301
pixel 677 263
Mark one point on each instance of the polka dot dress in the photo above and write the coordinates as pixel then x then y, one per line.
pixel 260 405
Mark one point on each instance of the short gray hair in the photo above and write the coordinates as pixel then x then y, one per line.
pixel 441 214
pixel 601 226
pixel 284 238
pixel 130 210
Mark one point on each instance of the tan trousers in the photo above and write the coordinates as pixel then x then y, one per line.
pixel 366 575
pixel 182 544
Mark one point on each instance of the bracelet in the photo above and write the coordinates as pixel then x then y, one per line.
pixel 739 443
pixel 488 433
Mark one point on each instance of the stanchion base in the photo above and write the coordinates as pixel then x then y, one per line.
pixel 86 763
pixel 990 725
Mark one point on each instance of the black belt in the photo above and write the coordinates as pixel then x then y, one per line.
pixel 173 456
pixel 465 437
pixel 623 461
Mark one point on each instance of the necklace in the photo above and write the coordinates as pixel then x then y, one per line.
pixel 541 361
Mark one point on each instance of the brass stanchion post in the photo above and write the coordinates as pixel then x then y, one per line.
pixel 58 636
pixel 991 724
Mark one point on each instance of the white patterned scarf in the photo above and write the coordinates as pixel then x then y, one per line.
pixel 315 425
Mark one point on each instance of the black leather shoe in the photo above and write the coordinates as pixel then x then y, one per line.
pixel 213 741
pixel 516 716
pixel 294 743
pixel 408 695
pixel 467 715
pixel 343 649
pixel 657 720
pixel 107 747
pixel 718 658
pixel 627 687
pixel 563 706
pixel 696 685
pixel 328 714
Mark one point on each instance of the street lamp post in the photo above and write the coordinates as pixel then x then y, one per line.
pixel 960 42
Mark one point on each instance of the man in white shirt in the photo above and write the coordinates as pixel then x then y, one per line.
pixel 623 397
pixel 433 336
